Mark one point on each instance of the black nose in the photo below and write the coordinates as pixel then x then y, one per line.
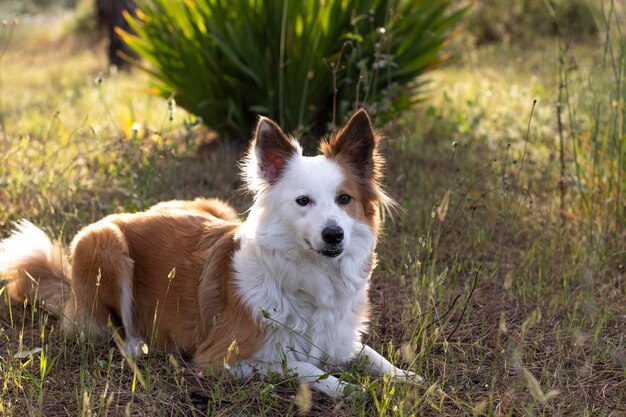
pixel 332 234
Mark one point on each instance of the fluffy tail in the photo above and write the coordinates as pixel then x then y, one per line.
pixel 35 268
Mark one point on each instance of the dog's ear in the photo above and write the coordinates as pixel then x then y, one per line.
pixel 355 144
pixel 272 149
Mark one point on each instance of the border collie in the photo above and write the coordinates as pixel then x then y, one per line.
pixel 284 291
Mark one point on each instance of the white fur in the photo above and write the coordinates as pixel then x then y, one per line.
pixel 312 307
pixel 133 345
pixel 314 303
pixel 27 242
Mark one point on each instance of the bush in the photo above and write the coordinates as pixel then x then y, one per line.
pixel 227 62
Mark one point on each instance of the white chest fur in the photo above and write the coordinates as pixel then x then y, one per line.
pixel 313 309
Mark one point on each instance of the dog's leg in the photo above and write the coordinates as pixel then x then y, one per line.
pixel 377 364
pixel 133 345
pixel 102 284
pixel 318 379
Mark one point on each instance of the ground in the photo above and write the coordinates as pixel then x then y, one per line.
pixel 500 280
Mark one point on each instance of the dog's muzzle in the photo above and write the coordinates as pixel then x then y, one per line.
pixel 332 251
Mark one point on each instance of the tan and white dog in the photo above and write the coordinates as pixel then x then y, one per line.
pixel 287 287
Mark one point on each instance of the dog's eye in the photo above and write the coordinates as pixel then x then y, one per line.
pixel 303 200
pixel 344 199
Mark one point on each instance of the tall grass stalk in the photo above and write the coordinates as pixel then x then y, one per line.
pixel 598 141
pixel 592 129
pixel 559 119
pixel 615 146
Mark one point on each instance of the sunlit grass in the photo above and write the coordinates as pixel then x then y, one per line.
pixel 505 304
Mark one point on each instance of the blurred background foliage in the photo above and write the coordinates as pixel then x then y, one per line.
pixel 309 64
pixel 305 64
pixel 24 7
pixel 525 20
pixel 485 20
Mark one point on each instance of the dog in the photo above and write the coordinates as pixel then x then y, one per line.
pixel 284 291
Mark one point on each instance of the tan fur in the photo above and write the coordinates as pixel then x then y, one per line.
pixel 212 206
pixel 178 255
pixel 355 149
pixel 362 207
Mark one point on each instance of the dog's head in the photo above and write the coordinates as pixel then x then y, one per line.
pixel 327 205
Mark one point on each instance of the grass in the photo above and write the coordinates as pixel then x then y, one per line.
pixel 506 299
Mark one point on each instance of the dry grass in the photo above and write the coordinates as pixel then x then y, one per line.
pixel 507 305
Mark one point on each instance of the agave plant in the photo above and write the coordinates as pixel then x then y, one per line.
pixel 306 64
